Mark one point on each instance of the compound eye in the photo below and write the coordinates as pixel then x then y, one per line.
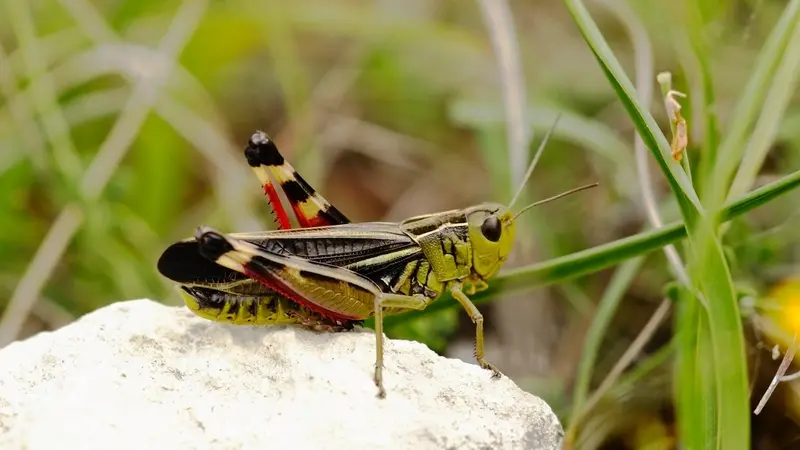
pixel 491 228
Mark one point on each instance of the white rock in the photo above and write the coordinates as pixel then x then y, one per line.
pixel 140 375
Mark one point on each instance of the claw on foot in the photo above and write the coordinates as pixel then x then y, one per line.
pixel 488 366
pixel 378 379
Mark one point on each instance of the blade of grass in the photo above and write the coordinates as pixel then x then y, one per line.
pixel 641 118
pixel 44 98
pixel 712 278
pixel 691 404
pixel 780 94
pixel 95 178
pixel 733 144
pixel 784 366
pixel 647 365
pixel 708 259
pixel 20 115
pixel 202 132
pixel 627 271
pixel 497 16
pixel 694 406
pixel 606 310
pixel 703 98
pixel 603 256
pixel 627 358
pixel 641 377
pixel 707 377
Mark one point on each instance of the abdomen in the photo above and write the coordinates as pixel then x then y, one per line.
pixel 266 308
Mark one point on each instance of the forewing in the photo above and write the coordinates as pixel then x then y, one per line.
pixel 182 262
pixel 351 245
pixel 310 208
pixel 372 249
pixel 333 291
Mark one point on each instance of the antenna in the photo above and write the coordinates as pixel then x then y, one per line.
pixel 533 163
pixel 555 197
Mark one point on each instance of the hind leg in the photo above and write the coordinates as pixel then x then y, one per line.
pixel 390 301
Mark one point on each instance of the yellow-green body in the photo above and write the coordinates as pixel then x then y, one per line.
pixel 332 277
pixel 329 273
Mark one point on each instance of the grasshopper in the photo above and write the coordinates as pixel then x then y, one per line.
pixel 331 274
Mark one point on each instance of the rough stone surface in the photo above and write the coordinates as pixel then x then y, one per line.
pixel 140 375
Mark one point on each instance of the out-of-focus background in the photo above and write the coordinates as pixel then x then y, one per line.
pixel 122 124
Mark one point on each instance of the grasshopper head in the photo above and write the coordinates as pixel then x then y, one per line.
pixel 491 225
pixel 491 233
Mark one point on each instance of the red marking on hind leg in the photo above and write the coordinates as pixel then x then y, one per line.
pixel 309 222
pixel 287 291
pixel 277 207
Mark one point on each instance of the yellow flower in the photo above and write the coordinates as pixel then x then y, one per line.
pixel 787 296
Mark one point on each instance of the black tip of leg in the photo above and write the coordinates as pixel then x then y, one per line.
pixel 261 150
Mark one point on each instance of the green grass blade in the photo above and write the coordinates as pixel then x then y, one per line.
pixel 709 391
pixel 603 256
pixel 701 45
pixel 645 124
pixel 749 107
pixel 691 405
pixel 503 36
pixel 780 94
pixel 638 377
pixel 712 278
pixel 606 309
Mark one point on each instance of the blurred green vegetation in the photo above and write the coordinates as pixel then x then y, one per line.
pixel 122 125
